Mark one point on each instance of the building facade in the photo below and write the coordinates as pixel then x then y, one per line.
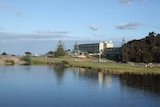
pixel 95 47
pixel 112 53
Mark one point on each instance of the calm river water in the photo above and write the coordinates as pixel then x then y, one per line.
pixel 48 86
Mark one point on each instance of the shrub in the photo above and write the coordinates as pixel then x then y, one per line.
pixel 4 53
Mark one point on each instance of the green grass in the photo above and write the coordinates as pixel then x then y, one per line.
pixel 118 67
pixel 108 65
pixel 36 61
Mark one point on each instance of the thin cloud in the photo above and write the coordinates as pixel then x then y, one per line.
pixel 142 0
pixel 99 35
pixel 156 27
pixel 33 35
pixel 94 27
pixel 4 4
pixel 48 32
pixel 125 2
pixel 6 34
pixel 61 32
pixel 129 26
pixel 51 36
pixel 19 13
pixel 17 37
pixel 129 2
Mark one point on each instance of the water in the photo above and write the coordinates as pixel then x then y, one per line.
pixel 48 86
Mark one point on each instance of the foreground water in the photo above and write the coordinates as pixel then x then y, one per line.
pixel 48 86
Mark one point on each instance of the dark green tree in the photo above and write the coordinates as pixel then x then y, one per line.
pixel 4 53
pixel 60 51
pixel 28 53
pixel 147 57
pixel 124 53
pixel 152 33
pixel 27 60
pixel 143 50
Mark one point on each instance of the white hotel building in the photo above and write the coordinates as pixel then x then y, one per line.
pixel 95 47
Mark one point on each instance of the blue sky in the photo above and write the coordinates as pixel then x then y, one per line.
pixel 38 25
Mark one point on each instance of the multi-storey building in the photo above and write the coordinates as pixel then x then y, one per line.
pixel 95 47
pixel 112 53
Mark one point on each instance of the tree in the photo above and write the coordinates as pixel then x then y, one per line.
pixel 27 53
pixel 26 59
pixel 124 53
pixel 60 50
pixel 143 50
pixel 152 33
pixel 4 53
pixel 147 57
pixel 50 54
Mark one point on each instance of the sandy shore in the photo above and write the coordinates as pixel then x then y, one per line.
pixel 10 60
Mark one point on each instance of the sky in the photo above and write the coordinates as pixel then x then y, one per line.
pixel 38 25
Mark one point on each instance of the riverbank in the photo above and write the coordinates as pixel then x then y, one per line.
pixel 11 60
pixel 102 65
pixel 105 65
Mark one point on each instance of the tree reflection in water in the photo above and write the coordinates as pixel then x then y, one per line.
pixel 147 81
pixel 59 72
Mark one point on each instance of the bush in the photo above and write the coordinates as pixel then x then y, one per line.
pixel 10 62
pixel 65 62
pixel 27 60
pixel 4 53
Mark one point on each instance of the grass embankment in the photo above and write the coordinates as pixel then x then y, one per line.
pixel 35 61
pixel 92 63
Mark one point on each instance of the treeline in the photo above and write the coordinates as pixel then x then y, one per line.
pixel 144 50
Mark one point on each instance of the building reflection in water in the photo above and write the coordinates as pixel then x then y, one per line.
pixel 108 79
pixel 75 71
pixel 100 78
pixel 103 79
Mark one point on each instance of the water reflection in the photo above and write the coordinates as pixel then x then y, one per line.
pixel 59 72
pixel 55 86
pixel 100 78
pixel 108 80
pixel 103 79
pixel 148 81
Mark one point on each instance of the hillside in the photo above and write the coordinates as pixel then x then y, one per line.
pixel 144 50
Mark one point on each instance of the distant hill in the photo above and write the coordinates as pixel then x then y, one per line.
pixel 144 50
